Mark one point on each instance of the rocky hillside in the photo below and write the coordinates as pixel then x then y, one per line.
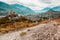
pixel 46 31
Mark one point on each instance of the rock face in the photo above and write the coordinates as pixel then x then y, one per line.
pixel 48 31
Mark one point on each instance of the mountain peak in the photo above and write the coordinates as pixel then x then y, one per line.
pixel 56 8
pixel 2 2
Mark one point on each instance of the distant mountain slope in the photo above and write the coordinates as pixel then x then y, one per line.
pixel 45 9
pixel 5 6
pixel 20 9
pixel 42 10
pixel 50 14
pixel 56 8
pixel 2 9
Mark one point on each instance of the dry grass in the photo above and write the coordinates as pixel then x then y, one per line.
pixel 18 25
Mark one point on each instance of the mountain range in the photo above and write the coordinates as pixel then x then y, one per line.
pixel 21 9
pixel 17 8
pixel 56 8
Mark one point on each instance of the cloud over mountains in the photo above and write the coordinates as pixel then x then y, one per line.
pixel 35 4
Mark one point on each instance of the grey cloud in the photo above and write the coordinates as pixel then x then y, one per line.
pixel 46 1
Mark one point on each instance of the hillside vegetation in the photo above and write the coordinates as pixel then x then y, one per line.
pixel 13 22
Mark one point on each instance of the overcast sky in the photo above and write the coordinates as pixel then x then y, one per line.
pixel 35 4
